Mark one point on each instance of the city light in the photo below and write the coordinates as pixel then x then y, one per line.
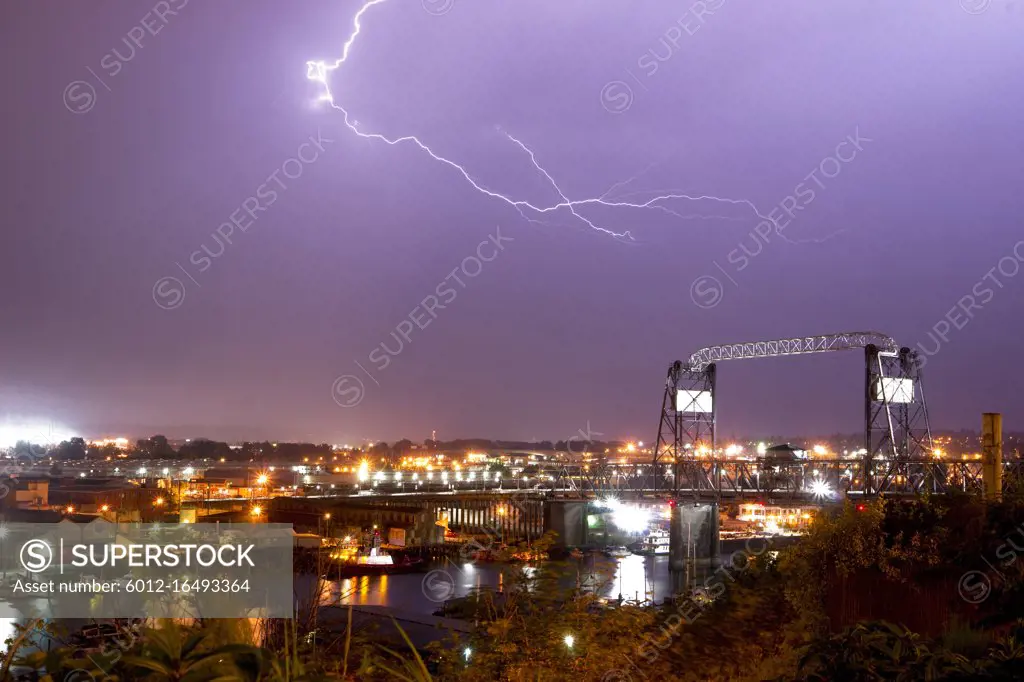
pixel 142 471
pixel 188 471
pixel 159 501
pixel 569 640
pixel 105 508
pixel 262 479
pixel 630 518
pixel 364 471
pixel 820 489
pixel 256 511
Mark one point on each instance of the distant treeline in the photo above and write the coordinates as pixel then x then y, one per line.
pixel 159 447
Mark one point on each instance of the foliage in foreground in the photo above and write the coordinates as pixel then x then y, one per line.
pixel 764 618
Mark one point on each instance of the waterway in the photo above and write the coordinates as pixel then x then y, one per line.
pixel 635 578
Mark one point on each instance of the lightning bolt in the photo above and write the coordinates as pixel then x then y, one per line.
pixel 320 71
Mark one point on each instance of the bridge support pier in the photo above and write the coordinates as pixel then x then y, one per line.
pixel 567 518
pixel 693 543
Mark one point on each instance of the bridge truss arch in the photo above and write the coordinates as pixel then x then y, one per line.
pixel 897 450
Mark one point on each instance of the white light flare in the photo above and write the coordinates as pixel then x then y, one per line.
pixel 821 490
pixel 630 518
pixel 320 71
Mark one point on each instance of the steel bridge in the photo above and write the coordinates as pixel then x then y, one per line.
pixel 897 458
pixel 817 480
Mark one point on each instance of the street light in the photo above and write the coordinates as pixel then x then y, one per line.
pixel 159 502
pixel 256 511
pixel 569 640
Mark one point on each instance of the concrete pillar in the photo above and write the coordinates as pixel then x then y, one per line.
pixel 677 551
pixel 693 542
pixel 992 454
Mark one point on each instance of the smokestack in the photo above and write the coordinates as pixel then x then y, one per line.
pixel 992 454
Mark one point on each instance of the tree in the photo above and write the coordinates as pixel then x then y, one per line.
pixel 155 447
pixel 201 448
pixel 72 449
pixel 174 654
pixel 540 629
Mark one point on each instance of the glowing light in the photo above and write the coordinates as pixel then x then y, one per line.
pixel 188 471
pixel 820 450
pixel 761 448
pixel 569 640
pixel 630 518
pixel 159 501
pixel 320 72
pixel 262 479
pixel 820 489
pixel 364 471
pixel 36 433
pixel 256 511
pixel 105 508
pixel 734 450
pixel 142 471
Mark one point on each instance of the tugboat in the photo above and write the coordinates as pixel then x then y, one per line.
pixel 655 544
pixel 348 562
pixel 379 563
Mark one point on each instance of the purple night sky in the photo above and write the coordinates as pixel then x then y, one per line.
pixel 121 166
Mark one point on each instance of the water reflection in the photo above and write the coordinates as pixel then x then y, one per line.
pixel 635 578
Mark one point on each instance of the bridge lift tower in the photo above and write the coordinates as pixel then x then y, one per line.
pixel 897 435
